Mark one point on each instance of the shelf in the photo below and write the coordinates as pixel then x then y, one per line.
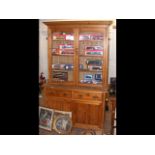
pixel 61 70
pixel 86 70
pixel 64 40
pixel 90 84
pixel 82 55
pixel 89 40
pixel 62 54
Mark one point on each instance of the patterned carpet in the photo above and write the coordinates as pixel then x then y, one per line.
pixel 75 131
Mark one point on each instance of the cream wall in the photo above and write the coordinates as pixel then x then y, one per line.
pixel 112 53
pixel 43 59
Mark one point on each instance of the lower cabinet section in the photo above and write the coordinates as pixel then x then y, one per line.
pixel 85 113
pixel 89 114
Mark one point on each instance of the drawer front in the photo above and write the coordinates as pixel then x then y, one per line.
pixel 53 104
pixel 87 95
pixel 59 93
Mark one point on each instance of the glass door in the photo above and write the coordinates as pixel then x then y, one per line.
pixel 63 56
pixel 90 57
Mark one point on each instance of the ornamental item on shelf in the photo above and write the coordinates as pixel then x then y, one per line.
pixel 62 66
pixel 59 37
pixel 98 77
pixel 63 36
pixel 91 37
pixel 84 37
pixel 66 49
pixel 93 50
pixel 96 37
pixel 94 64
pixel 88 78
pixel 81 67
pixel 69 37
pixel 55 51
pixel 60 76
pixel 92 79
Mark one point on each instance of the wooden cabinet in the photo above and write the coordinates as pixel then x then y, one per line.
pixel 78 70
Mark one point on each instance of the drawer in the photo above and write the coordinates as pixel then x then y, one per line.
pixel 59 93
pixel 97 96
pixel 58 104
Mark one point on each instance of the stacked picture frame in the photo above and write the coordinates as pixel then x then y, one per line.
pixel 59 121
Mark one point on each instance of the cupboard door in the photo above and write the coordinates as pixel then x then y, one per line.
pixel 96 115
pixel 90 57
pixel 90 114
pixel 82 113
pixel 62 51
pixel 54 104
pixel 66 106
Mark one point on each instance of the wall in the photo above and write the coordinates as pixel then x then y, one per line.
pixel 112 53
pixel 43 63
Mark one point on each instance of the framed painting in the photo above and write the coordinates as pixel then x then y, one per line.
pixel 46 118
pixel 62 122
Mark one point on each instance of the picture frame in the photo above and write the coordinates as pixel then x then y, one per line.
pixel 62 122
pixel 45 118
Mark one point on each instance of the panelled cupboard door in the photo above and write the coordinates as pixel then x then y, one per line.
pixel 66 106
pixel 91 52
pixel 89 114
pixel 62 56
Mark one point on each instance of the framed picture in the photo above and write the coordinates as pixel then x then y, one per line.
pixel 46 118
pixel 62 122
